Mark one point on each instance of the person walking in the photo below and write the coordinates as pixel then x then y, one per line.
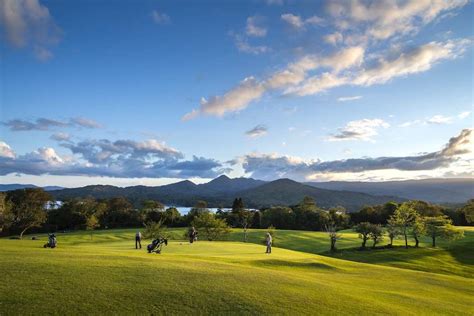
pixel 268 240
pixel 138 240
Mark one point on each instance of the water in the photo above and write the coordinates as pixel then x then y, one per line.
pixel 183 210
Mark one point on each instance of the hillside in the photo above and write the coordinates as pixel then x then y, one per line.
pixel 106 275
pixel 432 190
pixel 15 186
pixel 221 192
pixel 289 192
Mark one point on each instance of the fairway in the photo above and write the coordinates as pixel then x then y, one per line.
pixel 106 275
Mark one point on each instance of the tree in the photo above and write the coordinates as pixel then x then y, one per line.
pixel 237 205
pixel 403 218
pixel 418 229
pixel 199 208
pixel 333 236
pixel 92 223
pixel 172 215
pixel 467 212
pixel 376 234
pixel 5 207
pixel 245 219
pixel 154 230
pixel 152 211
pixel 392 231
pixel 209 226
pixel 440 227
pixel 27 209
pixel 364 230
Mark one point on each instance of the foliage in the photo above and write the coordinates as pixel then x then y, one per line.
pixel 27 209
pixel 393 231
pixel 403 218
pixel 92 223
pixel 440 227
pixel 209 226
pixel 333 236
pixel 364 230
pixel 376 234
pixel 154 230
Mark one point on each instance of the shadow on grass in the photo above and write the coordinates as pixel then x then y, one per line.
pixel 293 264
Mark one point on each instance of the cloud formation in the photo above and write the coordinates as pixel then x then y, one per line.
pixel 27 23
pixel 363 21
pixel 345 99
pixel 120 158
pixel 272 166
pixel 360 61
pixel 254 27
pixel 244 46
pixel 257 131
pixel 160 17
pixel 46 124
pixel 297 22
pixel 364 129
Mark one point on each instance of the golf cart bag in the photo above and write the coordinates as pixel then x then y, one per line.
pixel 156 245
pixel 52 242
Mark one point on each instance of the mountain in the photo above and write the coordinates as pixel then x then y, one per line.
pixel 432 190
pixel 289 192
pixel 221 191
pixel 10 187
pixel 226 184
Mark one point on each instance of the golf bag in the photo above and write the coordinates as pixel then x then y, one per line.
pixel 156 245
pixel 52 242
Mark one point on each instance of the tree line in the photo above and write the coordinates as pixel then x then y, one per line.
pixel 27 210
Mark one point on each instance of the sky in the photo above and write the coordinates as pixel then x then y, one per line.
pixel 154 92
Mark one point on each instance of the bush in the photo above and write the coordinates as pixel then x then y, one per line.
pixel 210 227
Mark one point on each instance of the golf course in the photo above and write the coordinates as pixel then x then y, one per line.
pixel 103 273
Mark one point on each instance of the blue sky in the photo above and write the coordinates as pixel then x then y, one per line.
pixel 152 92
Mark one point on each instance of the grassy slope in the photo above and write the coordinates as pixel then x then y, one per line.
pixel 449 257
pixel 106 276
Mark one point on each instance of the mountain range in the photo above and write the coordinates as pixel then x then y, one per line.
pixel 221 191
pixel 432 190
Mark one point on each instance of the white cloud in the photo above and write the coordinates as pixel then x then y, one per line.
pixel 253 29
pixel 364 129
pixel 27 23
pixel 380 20
pixel 250 89
pixel 454 156
pixel 298 22
pixel 61 137
pixel 345 99
pixel 415 61
pixel 439 119
pixel 160 17
pixel 244 46
pixel 334 38
pixel 6 151
pixel 464 114
pixel 257 131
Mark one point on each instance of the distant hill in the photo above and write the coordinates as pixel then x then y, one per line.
pixel 10 187
pixel 432 190
pixel 221 191
pixel 289 192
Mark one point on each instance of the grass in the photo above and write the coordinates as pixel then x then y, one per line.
pixel 106 275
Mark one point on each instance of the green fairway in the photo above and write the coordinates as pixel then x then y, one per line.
pixel 107 275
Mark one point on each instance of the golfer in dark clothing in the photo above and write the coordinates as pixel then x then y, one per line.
pixel 192 235
pixel 138 240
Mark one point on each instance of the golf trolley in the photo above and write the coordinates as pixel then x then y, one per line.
pixel 156 245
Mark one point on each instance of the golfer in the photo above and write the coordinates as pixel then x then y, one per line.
pixel 138 240
pixel 192 235
pixel 268 240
